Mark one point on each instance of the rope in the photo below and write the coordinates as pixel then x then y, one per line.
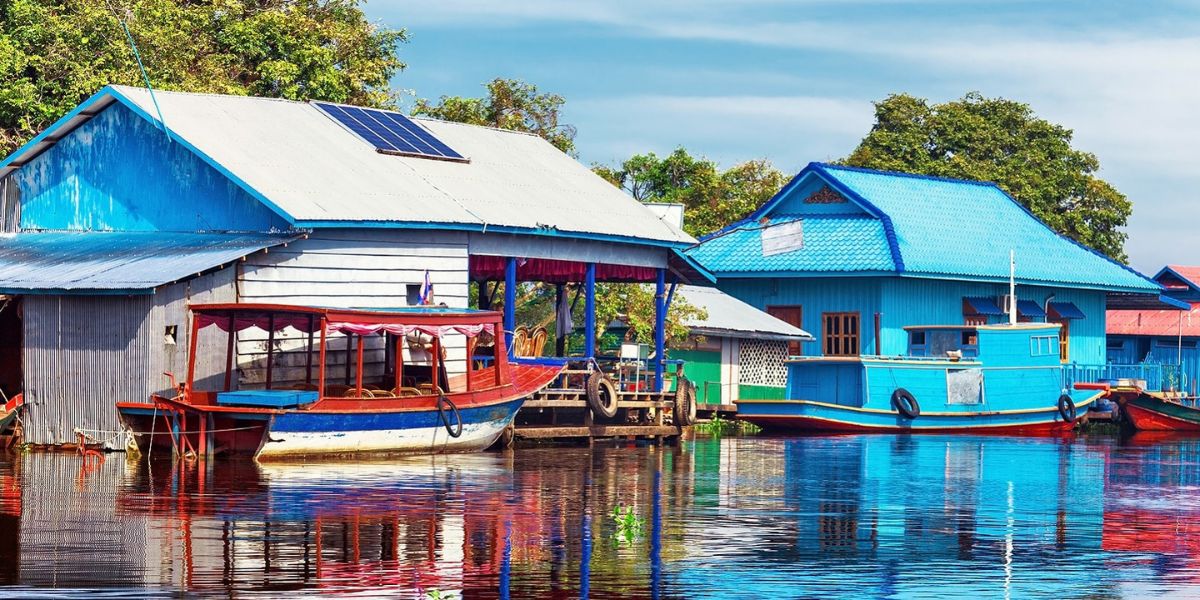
pixel 151 432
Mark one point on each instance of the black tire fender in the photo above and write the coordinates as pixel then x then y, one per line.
pixel 456 429
pixel 602 395
pixel 1066 409
pixel 685 402
pixel 905 403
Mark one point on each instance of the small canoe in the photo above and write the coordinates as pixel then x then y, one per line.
pixel 1148 411
pixel 9 410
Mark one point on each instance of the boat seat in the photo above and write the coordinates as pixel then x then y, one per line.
pixel 358 393
pixel 406 392
pixel 381 393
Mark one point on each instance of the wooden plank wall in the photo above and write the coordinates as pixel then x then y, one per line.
pixel 349 269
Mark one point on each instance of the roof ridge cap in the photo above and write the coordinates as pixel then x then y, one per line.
pixel 885 172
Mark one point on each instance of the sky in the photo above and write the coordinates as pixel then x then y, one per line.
pixel 794 81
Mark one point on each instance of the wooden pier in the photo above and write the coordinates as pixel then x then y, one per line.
pixel 562 412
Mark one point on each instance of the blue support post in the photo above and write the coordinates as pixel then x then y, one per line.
pixel 660 328
pixel 589 311
pixel 510 302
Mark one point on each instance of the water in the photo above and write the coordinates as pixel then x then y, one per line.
pixel 845 516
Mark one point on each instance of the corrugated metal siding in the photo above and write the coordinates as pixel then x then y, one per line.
pixel 85 353
pixel 814 296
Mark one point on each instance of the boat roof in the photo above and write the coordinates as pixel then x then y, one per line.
pixel 407 314
pixel 996 327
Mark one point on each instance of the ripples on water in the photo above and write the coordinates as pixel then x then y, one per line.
pixel 849 516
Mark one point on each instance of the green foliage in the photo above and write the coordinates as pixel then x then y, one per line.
pixel 56 53
pixel 510 104
pixel 994 139
pixel 711 198
pixel 629 525
pixel 634 305
pixel 718 426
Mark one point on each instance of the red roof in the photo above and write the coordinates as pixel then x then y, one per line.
pixel 1155 322
pixel 1190 275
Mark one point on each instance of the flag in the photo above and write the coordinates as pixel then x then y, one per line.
pixel 427 290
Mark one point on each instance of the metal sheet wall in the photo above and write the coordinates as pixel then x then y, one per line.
pixel 85 353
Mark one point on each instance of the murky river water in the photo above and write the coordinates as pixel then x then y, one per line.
pixel 873 516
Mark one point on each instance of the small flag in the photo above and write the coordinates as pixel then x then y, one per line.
pixel 427 291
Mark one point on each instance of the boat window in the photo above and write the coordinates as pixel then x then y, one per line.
pixel 917 338
pixel 970 338
pixel 1043 345
pixel 839 334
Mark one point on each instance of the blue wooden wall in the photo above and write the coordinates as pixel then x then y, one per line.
pixel 119 172
pixel 911 301
pixel 1163 350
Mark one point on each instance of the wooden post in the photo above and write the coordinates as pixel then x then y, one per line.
pixel 321 367
pixel 589 311
pixel 228 351
pixel 349 349
pixel 498 351
pixel 308 354
pixel 270 347
pixel 482 300
pixel 358 369
pixel 399 368
pixel 560 339
pixel 192 345
pixel 435 362
pixel 878 330
pixel 510 302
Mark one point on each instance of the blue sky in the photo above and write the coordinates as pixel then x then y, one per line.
pixel 793 81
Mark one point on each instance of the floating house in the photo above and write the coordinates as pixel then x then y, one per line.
pixel 736 351
pixel 855 255
pixel 134 205
pixel 1162 337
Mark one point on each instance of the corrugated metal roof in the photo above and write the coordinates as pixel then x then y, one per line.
pixel 315 173
pixel 117 262
pixel 935 227
pixel 730 317
pixel 1187 275
pixel 1154 322
pixel 831 243
pixel 984 306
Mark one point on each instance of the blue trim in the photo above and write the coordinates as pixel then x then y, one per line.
pixel 510 302
pixel 148 291
pixel 660 327
pixel 1168 269
pixel 93 100
pixel 1169 301
pixel 545 361
pixel 487 228
pixel 695 265
pixel 300 421
pixel 589 311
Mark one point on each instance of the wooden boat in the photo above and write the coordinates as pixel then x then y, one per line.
pixel 958 378
pixel 9 410
pixel 1151 411
pixel 413 404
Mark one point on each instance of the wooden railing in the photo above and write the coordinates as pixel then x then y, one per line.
pixel 1158 377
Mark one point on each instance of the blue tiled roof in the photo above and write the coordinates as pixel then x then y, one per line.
pixel 117 262
pixel 831 243
pixel 939 227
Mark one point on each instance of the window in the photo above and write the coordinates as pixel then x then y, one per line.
pixel 839 334
pixel 413 293
pixel 1064 338
pixel 1043 345
pixel 792 315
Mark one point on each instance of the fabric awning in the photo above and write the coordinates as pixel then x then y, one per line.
pixel 1066 310
pixel 983 306
pixel 1031 309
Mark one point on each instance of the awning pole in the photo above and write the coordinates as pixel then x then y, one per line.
pixel 510 303
pixel 589 311
pixel 660 328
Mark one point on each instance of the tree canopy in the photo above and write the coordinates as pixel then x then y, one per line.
pixel 712 198
pixel 509 104
pixel 56 53
pixel 995 139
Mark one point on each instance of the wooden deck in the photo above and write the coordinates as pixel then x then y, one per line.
pixel 562 413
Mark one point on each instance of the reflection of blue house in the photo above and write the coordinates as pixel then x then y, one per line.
pixel 854 255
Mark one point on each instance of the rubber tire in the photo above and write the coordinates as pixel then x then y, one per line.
pixel 442 403
pixel 1066 409
pixel 685 402
pixel 598 384
pixel 906 404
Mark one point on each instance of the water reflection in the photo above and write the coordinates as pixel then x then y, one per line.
pixel 839 516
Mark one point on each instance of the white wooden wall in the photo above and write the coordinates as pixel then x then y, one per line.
pixel 348 269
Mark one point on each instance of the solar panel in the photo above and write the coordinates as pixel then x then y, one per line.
pixel 390 132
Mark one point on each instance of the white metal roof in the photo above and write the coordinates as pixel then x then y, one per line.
pixel 730 317
pixel 316 172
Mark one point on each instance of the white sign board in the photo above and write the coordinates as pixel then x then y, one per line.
pixel 782 238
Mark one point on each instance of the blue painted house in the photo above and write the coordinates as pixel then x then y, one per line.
pixel 853 256
pixel 1163 343
pixel 132 206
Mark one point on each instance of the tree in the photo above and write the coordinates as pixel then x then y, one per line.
pixel 56 53
pixel 711 198
pixel 999 140
pixel 510 104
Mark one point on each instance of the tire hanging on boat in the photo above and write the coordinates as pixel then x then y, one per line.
pixel 1066 409
pixel 905 403
pixel 455 430
pixel 685 402
pixel 602 395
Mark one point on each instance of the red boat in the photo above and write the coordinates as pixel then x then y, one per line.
pixel 1151 411
pixel 308 399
